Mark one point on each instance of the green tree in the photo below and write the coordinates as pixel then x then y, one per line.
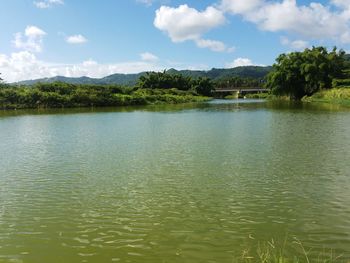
pixel 203 86
pixel 167 81
pixel 164 80
pixel 238 82
pixel 303 73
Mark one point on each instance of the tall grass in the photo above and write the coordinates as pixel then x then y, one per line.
pixel 263 95
pixel 273 252
pixel 335 95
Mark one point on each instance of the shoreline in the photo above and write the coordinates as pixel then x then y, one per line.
pixel 336 96
pixel 21 99
pixel 181 100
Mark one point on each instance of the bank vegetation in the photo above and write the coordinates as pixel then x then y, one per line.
pixel 153 88
pixel 314 75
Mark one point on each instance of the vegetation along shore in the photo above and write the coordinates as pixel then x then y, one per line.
pixel 314 75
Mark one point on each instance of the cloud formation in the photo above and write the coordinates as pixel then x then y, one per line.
pixel 184 23
pixel 147 56
pixel 294 44
pixel 213 45
pixel 47 3
pixel 31 40
pixel 240 62
pixel 76 39
pixel 313 21
pixel 146 2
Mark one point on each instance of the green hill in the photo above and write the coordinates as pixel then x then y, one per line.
pixel 131 79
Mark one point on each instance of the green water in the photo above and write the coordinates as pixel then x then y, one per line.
pixel 194 183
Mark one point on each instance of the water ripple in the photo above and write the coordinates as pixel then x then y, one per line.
pixel 199 185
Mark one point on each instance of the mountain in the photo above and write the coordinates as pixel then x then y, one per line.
pixel 131 79
pixel 120 79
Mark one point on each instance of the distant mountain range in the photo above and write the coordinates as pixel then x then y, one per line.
pixel 131 79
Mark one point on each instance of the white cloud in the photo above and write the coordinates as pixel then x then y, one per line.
pixel 185 23
pixel 18 65
pixel 240 62
pixel 147 56
pixel 3 61
pixel 240 6
pixel 146 2
pixel 32 39
pixel 345 37
pixel 313 21
pixel 341 3
pixel 76 39
pixel 47 3
pixel 33 31
pixel 89 63
pixel 295 44
pixel 149 3
pixel 213 45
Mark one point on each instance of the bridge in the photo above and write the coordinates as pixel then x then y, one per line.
pixel 243 90
pixel 239 91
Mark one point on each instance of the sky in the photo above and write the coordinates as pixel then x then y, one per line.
pixel 96 38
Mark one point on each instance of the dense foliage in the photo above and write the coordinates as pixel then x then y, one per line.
pixel 238 82
pixel 151 90
pixel 300 74
pixel 296 75
pixel 164 80
pixel 345 80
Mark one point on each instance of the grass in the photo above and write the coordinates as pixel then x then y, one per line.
pixel 231 97
pixel 334 96
pixel 264 95
pixel 271 252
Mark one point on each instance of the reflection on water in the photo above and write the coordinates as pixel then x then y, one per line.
pixel 217 104
pixel 180 183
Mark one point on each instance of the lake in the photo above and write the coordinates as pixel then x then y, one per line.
pixel 210 182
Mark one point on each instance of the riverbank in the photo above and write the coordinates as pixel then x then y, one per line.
pixel 334 96
pixel 61 95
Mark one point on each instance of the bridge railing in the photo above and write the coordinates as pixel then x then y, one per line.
pixel 244 90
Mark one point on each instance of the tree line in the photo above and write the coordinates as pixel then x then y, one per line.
pixel 154 87
pixel 296 74
pixel 163 80
pixel 239 82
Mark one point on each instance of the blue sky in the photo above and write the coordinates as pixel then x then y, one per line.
pixel 44 38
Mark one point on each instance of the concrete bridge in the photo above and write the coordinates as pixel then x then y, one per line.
pixel 243 90
pixel 239 91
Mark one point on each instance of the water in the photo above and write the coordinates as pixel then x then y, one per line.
pixel 197 183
